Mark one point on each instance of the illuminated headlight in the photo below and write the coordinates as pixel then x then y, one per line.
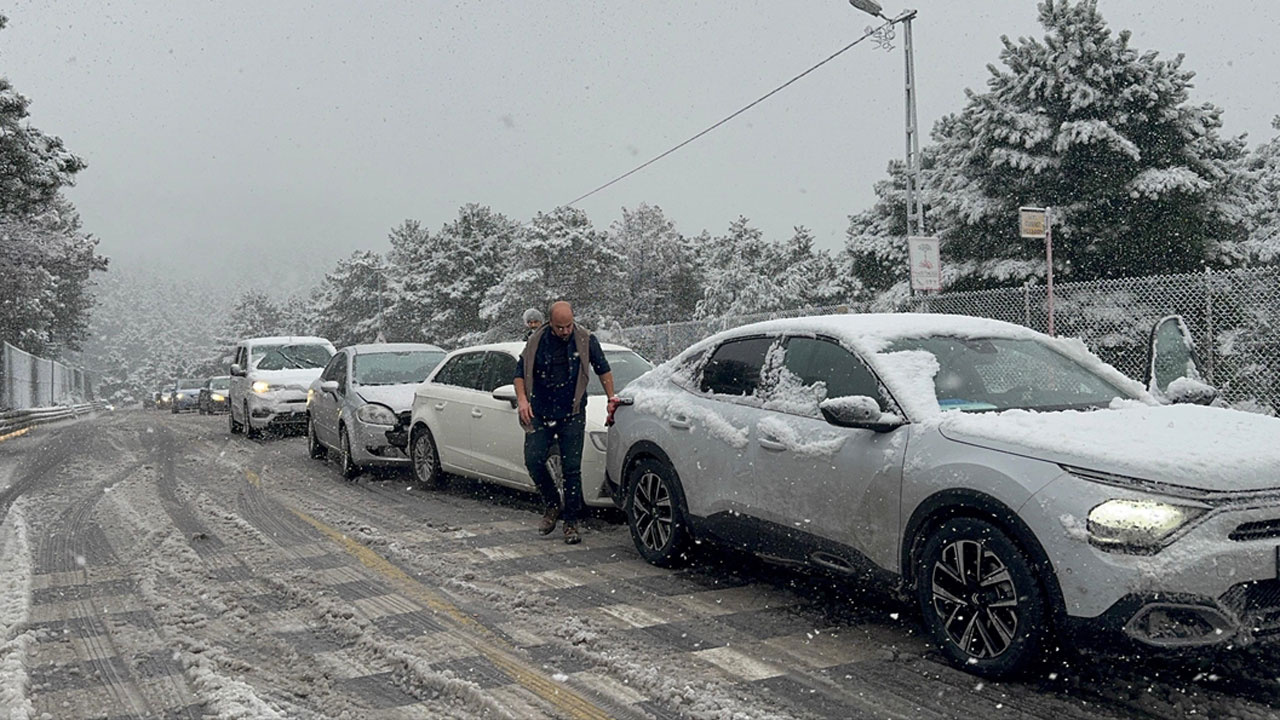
pixel 1137 525
pixel 311 393
pixel 261 386
pixel 376 414
pixel 600 438
pixel 217 397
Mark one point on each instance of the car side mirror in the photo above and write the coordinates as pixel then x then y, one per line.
pixel 329 386
pixel 237 370
pixel 506 392
pixel 1173 370
pixel 858 411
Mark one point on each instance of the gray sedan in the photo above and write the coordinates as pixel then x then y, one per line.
pixel 360 404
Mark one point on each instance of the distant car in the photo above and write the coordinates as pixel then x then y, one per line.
pixel 164 398
pixel 464 420
pixel 1022 490
pixel 151 400
pixel 213 394
pixel 269 380
pixel 359 406
pixel 185 395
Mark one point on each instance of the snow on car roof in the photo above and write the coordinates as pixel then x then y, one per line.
pixel 875 331
pixel 367 348
pixel 285 340
pixel 515 348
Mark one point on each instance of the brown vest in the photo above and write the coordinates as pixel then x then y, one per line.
pixel 582 339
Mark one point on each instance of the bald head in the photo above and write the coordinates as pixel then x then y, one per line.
pixel 562 319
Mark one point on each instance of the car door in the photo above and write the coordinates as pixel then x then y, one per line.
pixel 239 386
pixel 325 405
pixel 712 427
pixel 497 439
pixel 450 397
pixel 820 480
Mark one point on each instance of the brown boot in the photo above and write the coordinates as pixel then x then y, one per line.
pixel 549 519
pixel 571 536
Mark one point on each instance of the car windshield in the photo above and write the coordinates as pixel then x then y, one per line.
pixel 986 374
pixel 625 365
pixel 395 368
pixel 219 383
pixel 189 384
pixel 288 357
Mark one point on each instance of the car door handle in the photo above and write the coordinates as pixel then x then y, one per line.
pixel 439 406
pixel 680 422
pixel 769 443
pixel 475 412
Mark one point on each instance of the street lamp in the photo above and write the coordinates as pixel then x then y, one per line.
pixel 915 205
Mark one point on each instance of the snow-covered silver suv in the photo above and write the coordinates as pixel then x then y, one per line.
pixel 1021 489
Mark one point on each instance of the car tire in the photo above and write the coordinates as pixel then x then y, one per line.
pixel 350 470
pixel 249 430
pixel 234 427
pixel 315 448
pixel 656 513
pixel 980 599
pixel 425 460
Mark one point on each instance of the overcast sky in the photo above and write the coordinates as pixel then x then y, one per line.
pixel 276 133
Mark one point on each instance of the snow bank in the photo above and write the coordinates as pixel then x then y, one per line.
pixel 15 605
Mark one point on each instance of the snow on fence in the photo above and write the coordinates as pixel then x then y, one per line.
pixel 28 381
pixel 1235 317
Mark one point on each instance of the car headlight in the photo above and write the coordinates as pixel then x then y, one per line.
pixel 376 414
pixel 311 394
pixel 217 397
pixel 261 386
pixel 599 438
pixel 1137 525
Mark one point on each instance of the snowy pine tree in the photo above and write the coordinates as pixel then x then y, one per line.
pixel 346 309
pixel 663 276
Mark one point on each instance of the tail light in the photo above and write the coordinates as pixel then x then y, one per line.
pixel 614 403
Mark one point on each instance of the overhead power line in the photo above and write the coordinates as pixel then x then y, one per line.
pixel 869 32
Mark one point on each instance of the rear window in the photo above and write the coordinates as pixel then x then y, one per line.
pixel 395 368
pixel 734 368
pixel 625 366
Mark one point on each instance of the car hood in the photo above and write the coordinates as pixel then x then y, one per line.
pixel 299 377
pixel 1206 448
pixel 397 397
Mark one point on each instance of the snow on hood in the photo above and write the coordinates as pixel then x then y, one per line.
pixel 1189 445
pixel 397 397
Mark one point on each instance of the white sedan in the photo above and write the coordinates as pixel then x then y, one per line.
pixel 464 420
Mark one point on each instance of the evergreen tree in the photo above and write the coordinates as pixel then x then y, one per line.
pixel 557 256
pixel 663 275
pixel 1262 206
pixel 347 311
pixel 741 273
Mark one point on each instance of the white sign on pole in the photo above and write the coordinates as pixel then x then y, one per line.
pixel 926 266
pixel 1032 221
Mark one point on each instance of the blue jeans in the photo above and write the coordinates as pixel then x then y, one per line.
pixel 569 434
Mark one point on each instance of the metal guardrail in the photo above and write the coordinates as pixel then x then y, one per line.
pixel 14 421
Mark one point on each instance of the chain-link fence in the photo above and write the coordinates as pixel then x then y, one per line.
pixel 28 381
pixel 1235 317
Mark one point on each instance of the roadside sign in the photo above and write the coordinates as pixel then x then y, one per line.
pixel 1032 221
pixel 926 266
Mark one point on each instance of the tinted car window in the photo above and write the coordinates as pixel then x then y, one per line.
pixel 499 369
pixel 734 368
pixel 394 368
pixel 462 371
pixel 822 361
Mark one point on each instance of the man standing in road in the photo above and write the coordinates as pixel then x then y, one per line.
pixel 551 390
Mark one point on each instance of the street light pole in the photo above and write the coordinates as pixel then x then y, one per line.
pixel 915 204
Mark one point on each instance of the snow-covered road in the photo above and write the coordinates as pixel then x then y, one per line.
pixel 155 566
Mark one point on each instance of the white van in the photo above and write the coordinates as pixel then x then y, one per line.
pixel 269 380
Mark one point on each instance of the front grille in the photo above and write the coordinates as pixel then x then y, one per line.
pixel 1260 530
pixel 1258 605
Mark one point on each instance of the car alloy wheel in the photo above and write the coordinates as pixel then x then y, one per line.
pixel 655 514
pixel 349 467
pixel 980 599
pixel 425 459
pixel 314 448
pixel 249 430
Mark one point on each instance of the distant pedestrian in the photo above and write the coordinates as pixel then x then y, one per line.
pixel 551 390
pixel 532 321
